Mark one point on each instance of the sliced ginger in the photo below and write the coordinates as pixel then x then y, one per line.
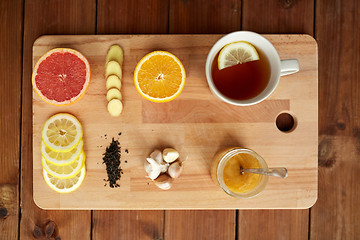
pixel 113 68
pixel 113 81
pixel 115 107
pixel 115 53
pixel 113 93
pixel 113 73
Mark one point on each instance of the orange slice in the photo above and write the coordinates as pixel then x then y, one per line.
pixel 159 76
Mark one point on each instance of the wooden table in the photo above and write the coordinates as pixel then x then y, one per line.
pixel 335 26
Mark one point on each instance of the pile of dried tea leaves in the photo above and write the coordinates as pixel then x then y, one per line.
pixel 112 160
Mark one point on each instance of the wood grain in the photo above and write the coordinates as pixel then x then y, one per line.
pixel 336 214
pixel 66 17
pixel 204 16
pixel 128 225
pixel 129 16
pixel 10 108
pixel 188 111
pixel 274 224
pixel 278 16
pixel 196 142
pixel 203 224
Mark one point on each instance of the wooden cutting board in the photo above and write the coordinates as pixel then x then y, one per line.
pixel 196 123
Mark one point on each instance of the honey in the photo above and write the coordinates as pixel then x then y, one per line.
pixel 225 172
pixel 237 182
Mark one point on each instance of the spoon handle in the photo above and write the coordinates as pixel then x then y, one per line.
pixel 275 172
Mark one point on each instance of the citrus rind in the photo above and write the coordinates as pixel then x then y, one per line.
pixel 73 99
pixel 65 185
pixel 58 171
pixel 61 158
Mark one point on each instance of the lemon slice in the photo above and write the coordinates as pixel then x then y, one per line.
pixel 65 185
pixel 62 132
pixel 61 158
pixel 237 53
pixel 65 171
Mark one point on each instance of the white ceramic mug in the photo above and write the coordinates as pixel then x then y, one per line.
pixel 277 67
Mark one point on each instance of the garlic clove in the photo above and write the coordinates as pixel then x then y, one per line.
pixel 157 155
pixel 175 169
pixel 163 182
pixel 152 168
pixel 170 155
pixel 164 167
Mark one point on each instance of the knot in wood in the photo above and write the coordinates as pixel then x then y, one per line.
pixel 50 228
pixel 340 125
pixel 326 154
pixel 287 3
pixel 37 232
pixel 3 212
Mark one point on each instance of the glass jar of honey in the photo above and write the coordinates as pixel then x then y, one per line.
pixel 225 172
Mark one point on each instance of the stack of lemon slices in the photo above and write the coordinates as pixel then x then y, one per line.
pixel 62 154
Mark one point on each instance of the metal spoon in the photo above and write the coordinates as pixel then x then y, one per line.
pixel 275 172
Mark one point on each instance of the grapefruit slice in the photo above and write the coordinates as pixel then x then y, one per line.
pixel 61 76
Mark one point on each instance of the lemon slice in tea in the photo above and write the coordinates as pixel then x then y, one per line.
pixel 236 53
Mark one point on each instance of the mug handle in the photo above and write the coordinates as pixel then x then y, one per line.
pixel 289 66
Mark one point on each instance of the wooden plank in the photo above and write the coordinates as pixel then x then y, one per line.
pixel 129 16
pixel 274 224
pixel 10 109
pixel 141 138
pixel 71 17
pixel 140 16
pixel 204 16
pixel 274 16
pixel 125 225
pixel 336 213
pixel 203 224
